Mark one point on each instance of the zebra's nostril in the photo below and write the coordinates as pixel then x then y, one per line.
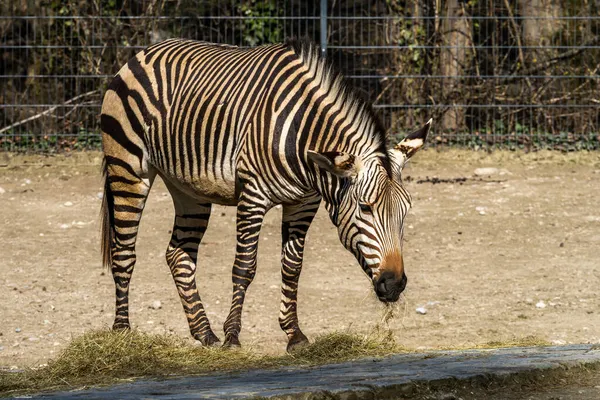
pixel 388 287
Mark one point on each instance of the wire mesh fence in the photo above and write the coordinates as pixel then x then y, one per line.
pixel 492 73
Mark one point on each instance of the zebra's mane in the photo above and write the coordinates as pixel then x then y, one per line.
pixel 332 80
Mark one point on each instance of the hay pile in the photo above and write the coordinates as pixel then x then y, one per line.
pixel 105 356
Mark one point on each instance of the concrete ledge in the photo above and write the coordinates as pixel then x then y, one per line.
pixel 363 379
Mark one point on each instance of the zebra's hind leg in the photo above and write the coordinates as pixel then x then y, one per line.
pixel 125 194
pixel 191 221
pixel 296 220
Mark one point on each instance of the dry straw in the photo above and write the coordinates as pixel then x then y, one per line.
pixel 102 357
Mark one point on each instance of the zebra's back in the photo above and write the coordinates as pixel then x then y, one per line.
pixel 191 111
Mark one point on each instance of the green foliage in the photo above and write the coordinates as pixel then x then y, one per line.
pixel 261 25
pixel 30 142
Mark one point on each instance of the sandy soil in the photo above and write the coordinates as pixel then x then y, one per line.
pixel 491 258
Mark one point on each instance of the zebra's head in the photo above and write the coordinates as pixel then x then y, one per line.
pixel 368 203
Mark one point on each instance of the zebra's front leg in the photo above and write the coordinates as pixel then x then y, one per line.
pixel 250 215
pixel 296 220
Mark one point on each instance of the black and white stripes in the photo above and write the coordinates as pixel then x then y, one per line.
pixel 249 128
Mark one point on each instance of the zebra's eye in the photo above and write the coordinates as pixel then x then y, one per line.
pixel 365 208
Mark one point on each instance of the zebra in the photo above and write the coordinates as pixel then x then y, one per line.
pixel 250 128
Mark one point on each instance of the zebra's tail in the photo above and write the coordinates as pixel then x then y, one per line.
pixel 108 219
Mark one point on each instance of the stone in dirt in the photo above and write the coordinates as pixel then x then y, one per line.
pixel 486 171
pixel 540 304
pixel 156 305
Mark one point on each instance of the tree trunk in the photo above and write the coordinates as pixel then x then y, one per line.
pixel 538 31
pixel 454 59
pixel 427 8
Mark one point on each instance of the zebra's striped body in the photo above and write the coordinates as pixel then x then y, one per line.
pixel 249 128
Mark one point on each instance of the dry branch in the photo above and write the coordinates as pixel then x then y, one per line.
pixel 48 111
pixel 548 63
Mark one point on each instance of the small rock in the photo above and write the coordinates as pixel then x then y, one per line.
pixel 64 226
pixel 486 171
pixel 559 342
pixel 540 304
pixel 447 396
pixel 27 181
pixel 56 344
pixel 18 330
pixel 150 322
pixel 100 195
pixel 41 234
pixel 2 191
pixel 156 305
pixel 33 339
pixel 421 310
pixel 218 302
pixel 46 322
pixel 273 287
pixel 1 348
pixel 68 204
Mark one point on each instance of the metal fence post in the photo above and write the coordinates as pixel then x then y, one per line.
pixel 323 28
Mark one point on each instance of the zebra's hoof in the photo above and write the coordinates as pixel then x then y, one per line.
pixel 121 326
pixel 297 341
pixel 231 342
pixel 208 339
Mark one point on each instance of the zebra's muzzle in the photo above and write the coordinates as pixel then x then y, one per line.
pixel 388 287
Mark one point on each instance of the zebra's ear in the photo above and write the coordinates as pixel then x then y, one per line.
pixel 338 163
pixel 414 141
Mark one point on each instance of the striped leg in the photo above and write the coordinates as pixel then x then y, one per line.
pixel 250 215
pixel 128 196
pixel 295 223
pixel 191 221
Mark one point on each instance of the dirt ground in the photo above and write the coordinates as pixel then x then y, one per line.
pixel 490 258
